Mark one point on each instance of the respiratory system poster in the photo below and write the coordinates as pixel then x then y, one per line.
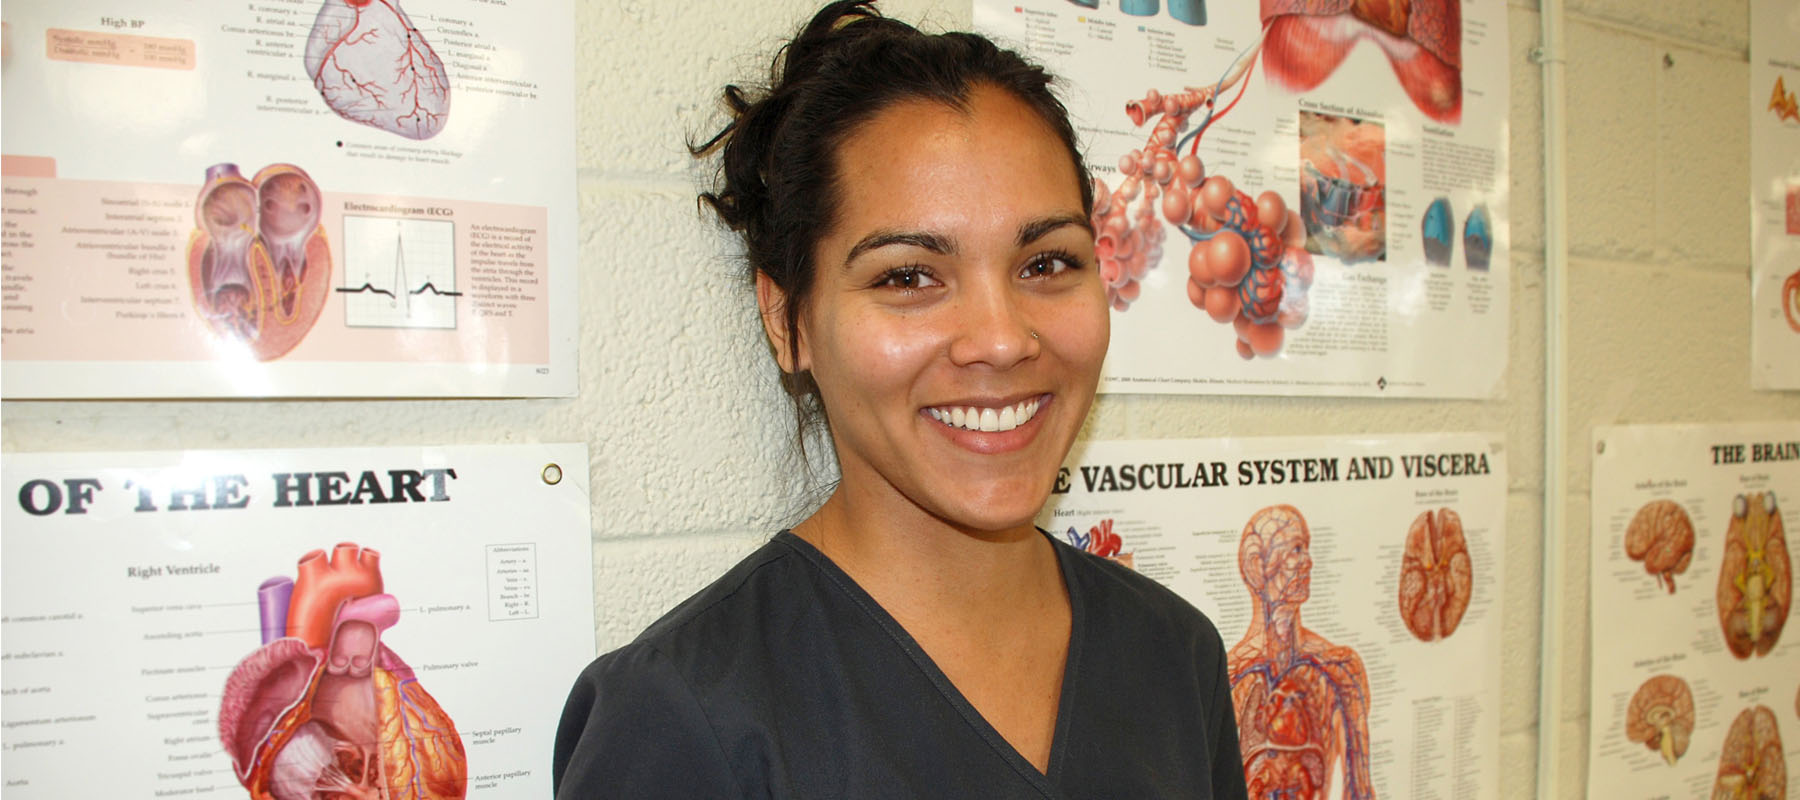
pixel 1355 581
pixel 1695 676
pixel 292 624
pixel 288 198
pixel 1294 198
pixel 1774 194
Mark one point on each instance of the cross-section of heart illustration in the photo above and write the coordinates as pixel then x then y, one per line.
pixel 259 267
pixel 325 710
pixel 374 67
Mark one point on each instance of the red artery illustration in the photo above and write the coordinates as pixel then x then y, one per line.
pixel 1790 300
pixel 1302 702
pixel 1304 42
pixel 324 710
pixel 374 67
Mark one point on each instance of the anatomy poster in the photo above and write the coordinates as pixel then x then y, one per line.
pixel 1774 194
pixel 1696 676
pixel 288 198
pixel 1290 197
pixel 292 624
pixel 1356 583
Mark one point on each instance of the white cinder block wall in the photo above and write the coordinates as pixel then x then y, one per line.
pixel 689 434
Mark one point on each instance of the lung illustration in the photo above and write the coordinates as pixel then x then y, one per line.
pixel 374 67
pixel 325 710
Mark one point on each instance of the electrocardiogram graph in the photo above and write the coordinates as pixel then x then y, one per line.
pixel 399 273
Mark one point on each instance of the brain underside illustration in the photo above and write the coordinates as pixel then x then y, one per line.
pixel 1751 766
pixel 1756 581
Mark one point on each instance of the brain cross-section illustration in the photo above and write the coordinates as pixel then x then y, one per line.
pixel 1661 716
pixel 324 710
pixel 1302 702
pixel 1756 585
pixel 1436 576
pixel 374 67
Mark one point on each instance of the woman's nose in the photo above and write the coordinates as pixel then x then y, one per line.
pixel 991 328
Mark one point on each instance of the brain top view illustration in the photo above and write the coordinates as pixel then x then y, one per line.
pixel 1751 764
pixel 324 710
pixel 1302 702
pixel 1436 576
pixel 1661 536
pixel 373 66
pixel 1756 583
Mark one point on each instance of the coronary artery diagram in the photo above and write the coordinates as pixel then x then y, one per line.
pixel 374 67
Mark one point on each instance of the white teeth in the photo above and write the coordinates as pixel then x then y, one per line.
pixel 989 420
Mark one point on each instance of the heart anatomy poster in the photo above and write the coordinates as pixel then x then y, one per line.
pixel 292 624
pixel 1355 582
pixel 1775 194
pixel 1695 674
pixel 317 198
pixel 1304 198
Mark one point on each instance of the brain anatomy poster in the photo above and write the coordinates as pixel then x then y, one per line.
pixel 288 198
pixel 1355 581
pixel 292 624
pixel 1775 194
pixel 1695 673
pixel 1290 197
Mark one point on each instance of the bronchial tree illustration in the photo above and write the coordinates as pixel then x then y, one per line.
pixel 1302 702
pixel 324 709
pixel 374 67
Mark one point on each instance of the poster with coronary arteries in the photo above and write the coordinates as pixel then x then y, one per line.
pixel 380 623
pixel 315 198
pixel 1774 194
pixel 1292 197
pixel 1355 582
pixel 1695 665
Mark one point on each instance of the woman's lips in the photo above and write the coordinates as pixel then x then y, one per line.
pixel 990 429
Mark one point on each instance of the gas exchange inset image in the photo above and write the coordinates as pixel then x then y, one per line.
pixel 374 67
pixel 1343 186
pixel 1661 536
pixel 1478 238
pixel 1436 576
pixel 1661 716
pixel 259 267
pixel 1756 584
pixel 324 709
pixel 1438 230
pixel 1751 765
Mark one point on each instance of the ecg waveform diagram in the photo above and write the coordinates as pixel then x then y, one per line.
pixel 399 273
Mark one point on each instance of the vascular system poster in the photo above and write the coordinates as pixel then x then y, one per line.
pixel 288 198
pixel 291 624
pixel 1355 582
pixel 1295 198
pixel 1695 675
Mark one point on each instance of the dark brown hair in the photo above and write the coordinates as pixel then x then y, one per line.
pixel 778 179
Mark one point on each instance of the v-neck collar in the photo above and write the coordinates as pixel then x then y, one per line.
pixel 1044 782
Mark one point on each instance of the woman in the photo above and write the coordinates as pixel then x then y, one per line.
pixel 916 217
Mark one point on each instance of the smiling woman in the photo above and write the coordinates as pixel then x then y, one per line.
pixel 917 223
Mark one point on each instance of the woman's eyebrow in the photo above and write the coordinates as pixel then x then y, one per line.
pixel 1036 229
pixel 936 243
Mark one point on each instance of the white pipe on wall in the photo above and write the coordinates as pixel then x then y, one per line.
pixel 1550 55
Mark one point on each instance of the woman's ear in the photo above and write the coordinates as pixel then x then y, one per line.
pixel 771 302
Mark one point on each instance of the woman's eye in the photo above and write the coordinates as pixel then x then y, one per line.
pixel 906 279
pixel 1049 264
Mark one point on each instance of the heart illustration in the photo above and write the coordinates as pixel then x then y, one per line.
pixel 259 268
pixel 373 66
pixel 325 710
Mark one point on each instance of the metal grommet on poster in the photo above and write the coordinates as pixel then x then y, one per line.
pixel 552 474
